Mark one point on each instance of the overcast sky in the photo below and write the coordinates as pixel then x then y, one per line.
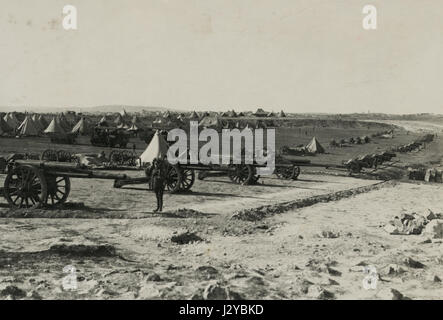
pixel 295 55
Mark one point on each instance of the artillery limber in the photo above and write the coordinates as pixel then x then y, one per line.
pixel 57 155
pixel 123 158
pixel 177 179
pixel 355 165
pixel 36 183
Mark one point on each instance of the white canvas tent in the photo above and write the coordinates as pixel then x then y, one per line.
pixel 4 127
pixel 37 122
pixel 11 120
pixel 54 126
pixel 103 121
pixel 134 128
pixel 193 115
pixel 81 127
pixel 157 149
pixel 63 122
pixel 314 146
pixel 119 119
pixel 123 113
pixel 42 121
pixel 27 128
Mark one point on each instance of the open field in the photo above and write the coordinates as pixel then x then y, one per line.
pixel 316 250
pixel 284 137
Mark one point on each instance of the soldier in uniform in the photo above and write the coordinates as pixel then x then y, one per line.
pixel 158 181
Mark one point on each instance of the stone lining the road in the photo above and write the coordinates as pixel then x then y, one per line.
pixel 262 212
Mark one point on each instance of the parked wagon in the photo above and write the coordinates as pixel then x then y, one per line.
pixel 36 183
pixel 57 155
pixel 181 177
pixel 355 165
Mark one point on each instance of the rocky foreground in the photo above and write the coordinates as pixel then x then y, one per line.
pixel 331 248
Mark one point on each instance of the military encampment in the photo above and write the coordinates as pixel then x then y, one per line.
pixel 323 166
pixel 221 150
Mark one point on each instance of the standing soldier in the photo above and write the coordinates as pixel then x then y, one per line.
pixel 158 181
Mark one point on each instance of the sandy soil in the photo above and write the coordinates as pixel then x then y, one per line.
pixel 121 250
pixel 285 256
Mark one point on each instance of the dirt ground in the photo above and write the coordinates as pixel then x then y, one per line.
pixel 317 249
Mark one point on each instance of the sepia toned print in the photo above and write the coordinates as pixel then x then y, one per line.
pixel 221 150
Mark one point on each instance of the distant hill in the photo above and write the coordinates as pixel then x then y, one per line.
pixel 94 109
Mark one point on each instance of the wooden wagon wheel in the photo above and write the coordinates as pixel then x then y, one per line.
pixel 296 173
pixel 241 173
pixel 64 156
pixel 49 155
pixel 25 187
pixel 284 172
pixel 115 157
pixel 58 189
pixel 173 179
pixel 129 158
pixel 187 179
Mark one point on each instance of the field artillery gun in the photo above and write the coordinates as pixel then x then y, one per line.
pixel 36 183
pixel 355 165
pixel 117 158
pixel 181 177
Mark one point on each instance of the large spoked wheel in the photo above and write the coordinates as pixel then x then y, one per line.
pixel 115 157
pixel 173 179
pixel 25 187
pixel 288 173
pixel 128 158
pixel 241 173
pixel 187 179
pixel 58 189
pixel 296 173
pixel 49 155
pixel 354 168
pixel 64 156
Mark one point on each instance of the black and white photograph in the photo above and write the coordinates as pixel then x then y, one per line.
pixel 234 150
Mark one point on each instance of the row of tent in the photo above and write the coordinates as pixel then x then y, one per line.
pixel 227 114
pixel 30 126
pixel 37 124
pixel 167 120
pixel 232 114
